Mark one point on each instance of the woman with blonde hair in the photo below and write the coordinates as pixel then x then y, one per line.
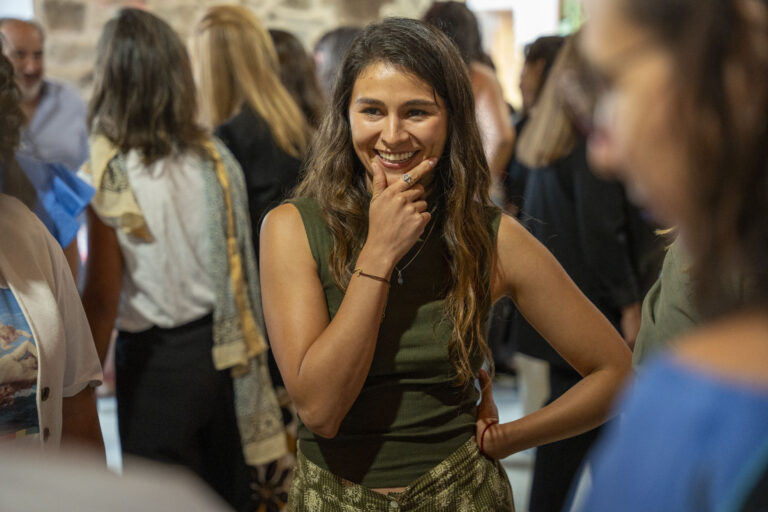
pixel 242 97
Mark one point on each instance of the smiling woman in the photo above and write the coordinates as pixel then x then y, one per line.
pixel 382 372
pixel 396 121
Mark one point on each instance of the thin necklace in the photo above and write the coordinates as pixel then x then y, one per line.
pixel 423 243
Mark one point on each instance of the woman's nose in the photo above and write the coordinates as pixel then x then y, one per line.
pixel 393 133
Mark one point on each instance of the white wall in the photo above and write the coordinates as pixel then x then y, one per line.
pixel 533 18
pixel 16 9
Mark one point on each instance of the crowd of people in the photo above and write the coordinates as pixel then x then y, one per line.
pixel 303 268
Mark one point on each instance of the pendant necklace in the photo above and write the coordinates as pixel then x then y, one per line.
pixel 423 243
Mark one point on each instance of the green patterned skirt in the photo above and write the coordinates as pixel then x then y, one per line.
pixel 466 481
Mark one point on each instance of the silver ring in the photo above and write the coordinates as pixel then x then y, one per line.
pixel 407 179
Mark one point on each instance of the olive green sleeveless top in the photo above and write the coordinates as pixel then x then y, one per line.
pixel 410 415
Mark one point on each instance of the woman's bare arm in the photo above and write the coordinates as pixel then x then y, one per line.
pixel 80 421
pixel 103 282
pixel 574 327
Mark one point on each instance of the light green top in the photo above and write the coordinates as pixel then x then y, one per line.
pixel 668 308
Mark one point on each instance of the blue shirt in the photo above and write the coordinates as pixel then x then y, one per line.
pixel 57 132
pixel 684 443
pixel 61 197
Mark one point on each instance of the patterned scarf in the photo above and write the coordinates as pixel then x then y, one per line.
pixel 238 324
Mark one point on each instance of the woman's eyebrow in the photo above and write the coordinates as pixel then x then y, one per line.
pixel 420 103
pixel 409 103
pixel 369 101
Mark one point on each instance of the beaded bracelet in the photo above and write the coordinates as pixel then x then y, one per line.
pixel 493 421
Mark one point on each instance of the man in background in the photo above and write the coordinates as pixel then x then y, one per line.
pixel 55 131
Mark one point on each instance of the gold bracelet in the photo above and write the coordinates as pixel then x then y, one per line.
pixel 360 272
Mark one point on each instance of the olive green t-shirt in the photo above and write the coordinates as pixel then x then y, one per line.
pixel 668 308
pixel 409 415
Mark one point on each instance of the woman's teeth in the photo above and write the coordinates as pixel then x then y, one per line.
pixel 396 157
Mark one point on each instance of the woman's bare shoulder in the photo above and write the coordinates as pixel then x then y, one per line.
pixel 283 230
pixel 283 217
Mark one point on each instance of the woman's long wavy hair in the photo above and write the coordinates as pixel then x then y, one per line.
pixel 144 95
pixel 720 50
pixel 337 179
pixel 15 182
pixel 236 63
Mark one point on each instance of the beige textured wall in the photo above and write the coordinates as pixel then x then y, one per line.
pixel 73 26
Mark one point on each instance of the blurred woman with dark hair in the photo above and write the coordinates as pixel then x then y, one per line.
pixel 171 265
pixel 682 118
pixel 493 115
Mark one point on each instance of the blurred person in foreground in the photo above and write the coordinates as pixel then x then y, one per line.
pixel 69 481
pixel 681 119
pixel 48 362
pixel 378 277
pixel 54 131
pixel 171 265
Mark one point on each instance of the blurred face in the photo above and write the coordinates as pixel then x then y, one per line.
pixel 530 80
pixel 23 45
pixel 396 120
pixel 635 136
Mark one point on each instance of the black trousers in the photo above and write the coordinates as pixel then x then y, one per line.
pixel 557 464
pixel 173 406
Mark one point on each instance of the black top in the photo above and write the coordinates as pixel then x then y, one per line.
pixel 270 173
pixel 594 232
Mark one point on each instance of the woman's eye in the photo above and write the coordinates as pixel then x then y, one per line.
pixel 371 111
pixel 417 113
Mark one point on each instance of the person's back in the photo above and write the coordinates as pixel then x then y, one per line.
pixel 172 266
pixel 270 173
pixel 166 280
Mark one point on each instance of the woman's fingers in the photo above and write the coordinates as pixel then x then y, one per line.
pixel 413 176
pixel 379 179
pixel 420 206
pixel 413 193
pixel 486 410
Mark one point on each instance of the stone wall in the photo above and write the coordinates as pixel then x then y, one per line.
pixel 73 26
